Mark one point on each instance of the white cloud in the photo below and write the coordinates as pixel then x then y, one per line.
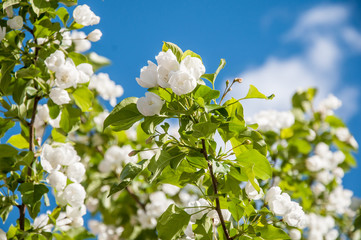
pixel 324 33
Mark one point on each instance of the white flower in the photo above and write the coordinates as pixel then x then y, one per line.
pixel 322 149
pixel 9 12
pixel 92 204
pixel 98 59
pixel 80 41
pixel 148 76
pixel 95 35
pixel 16 22
pixel 2 235
pixel 252 193
pixel 2 33
pixel 182 82
pixel 193 65
pixel 53 158
pixel 146 221
pixel 55 60
pixel 195 209
pixel 339 200
pixel 189 231
pixel 272 193
pixel 66 38
pixel 329 104
pixel 75 212
pixel 43 113
pixel 75 172
pixel 314 163
pixel 280 204
pixel 294 234
pixel 318 188
pixel 99 120
pixel 150 105
pixel 67 75
pixel 324 176
pixel 170 189
pixel 214 215
pixel 272 120
pixel 167 62
pixel 74 194
pixel 85 72
pixel 106 88
pixel 84 16
pixel 41 222
pixel 57 180
pixel 59 96
pixel 295 215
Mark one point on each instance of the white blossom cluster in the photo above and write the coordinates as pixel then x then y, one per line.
pixel 181 77
pixel 63 165
pixel 344 135
pixel 66 75
pixel 252 193
pixel 328 105
pixel 153 210
pixel 104 232
pixel 197 209
pixel 281 205
pixel 339 201
pixel 115 157
pixel 320 227
pixel 272 120
pixel 84 16
pixel 326 163
pixel 42 118
pixel 106 88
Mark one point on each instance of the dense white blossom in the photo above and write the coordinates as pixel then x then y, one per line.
pixel 321 227
pixel 75 172
pixel 55 60
pixel 80 41
pixel 272 120
pixel 167 63
pixel 150 105
pixel 84 16
pixel 294 234
pixel 339 200
pixel 95 35
pixel 2 33
pixel 193 66
pixel 104 232
pixel 57 180
pixel 115 157
pixel 67 75
pixel 170 189
pixel 16 22
pixel 59 96
pixel 182 82
pixel 74 194
pixel 252 193
pixel 106 88
pixel 329 104
pixel 53 158
pixel 148 76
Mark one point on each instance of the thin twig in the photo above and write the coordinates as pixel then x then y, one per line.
pixel 214 183
pixel 135 197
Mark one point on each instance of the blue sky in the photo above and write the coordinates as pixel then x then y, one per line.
pixel 277 46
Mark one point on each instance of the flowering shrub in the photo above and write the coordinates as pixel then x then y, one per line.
pixel 152 167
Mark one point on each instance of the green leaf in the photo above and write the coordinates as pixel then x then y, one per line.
pixel 172 223
pixel 83 98
pixel 124 114
pixel 261 166
pixel 196 159
pixel 177 51
pixel 31 193
pixel 5 78
pixel 212 77
pixel 271 232
pixel 41 6
pixel 150 123
pixel 204 129
pixel 7 151
pixel 129 172
pixel 63 14
pixel 44 28
pixel 206 93
pixel 69 3
pixel 70 118
pixel 54 109
pixel 18 141
pixel 190 53
pixel 78 58
pixel 58 136
pixel 236 209
pixel 27 73
pixel 5 125
pixel 254 93
pixel 9 3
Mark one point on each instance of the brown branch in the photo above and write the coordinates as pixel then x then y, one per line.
pixel 22 207
pixel 214 183
pixel 135 197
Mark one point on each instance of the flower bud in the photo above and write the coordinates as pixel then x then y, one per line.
pixel 133 153
pixel 247 142
pixel 149 140
pixel 239 80
pixel 95 35
pixel 9 11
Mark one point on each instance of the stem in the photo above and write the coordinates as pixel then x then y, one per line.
pixel 22 207
pixel 214 183
pixel 135 197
